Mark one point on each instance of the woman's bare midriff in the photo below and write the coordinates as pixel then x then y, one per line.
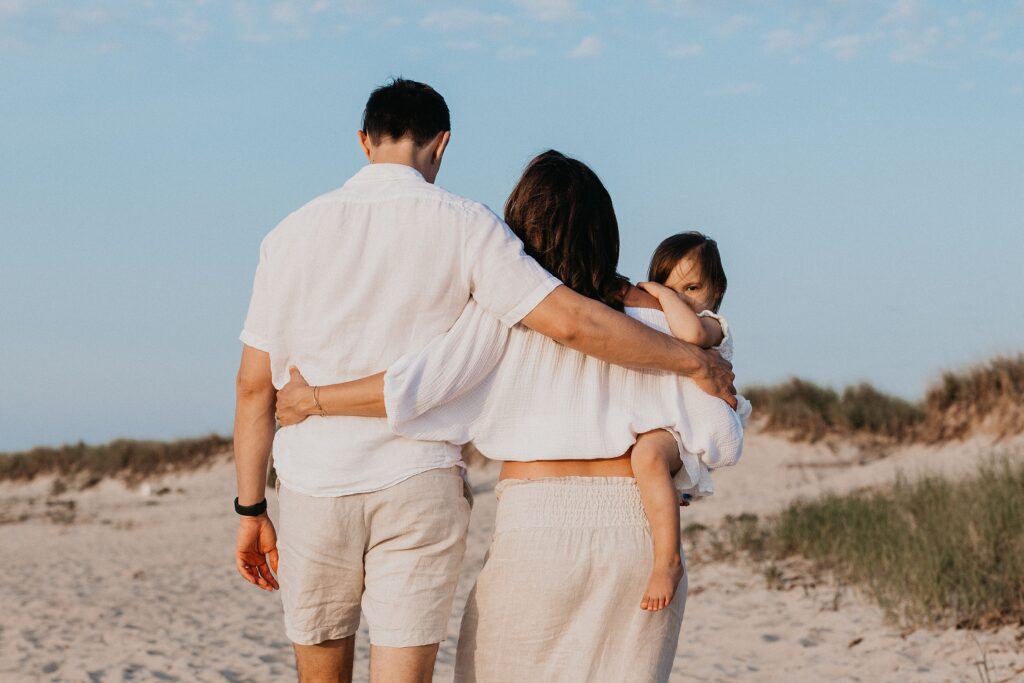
pixel 546 469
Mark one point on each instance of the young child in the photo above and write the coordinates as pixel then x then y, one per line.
pixel 687 279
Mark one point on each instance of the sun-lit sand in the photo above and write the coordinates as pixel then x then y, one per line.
pixel 139 584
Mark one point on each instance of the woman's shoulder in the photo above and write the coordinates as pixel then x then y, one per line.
pixel 641 306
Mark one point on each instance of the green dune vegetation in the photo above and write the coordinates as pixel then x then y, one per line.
pixel 931 552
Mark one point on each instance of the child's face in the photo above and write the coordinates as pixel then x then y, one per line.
pixel 687 280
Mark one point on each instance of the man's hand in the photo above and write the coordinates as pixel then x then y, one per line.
pixel 716 377
pixel 257 541
pixel 295 400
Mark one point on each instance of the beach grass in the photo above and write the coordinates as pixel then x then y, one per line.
pixel 809 412
pixel 990 394
pixel 930 551
pixel 125 459
pixel 987 397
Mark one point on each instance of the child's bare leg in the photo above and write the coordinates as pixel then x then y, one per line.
pixel 655 456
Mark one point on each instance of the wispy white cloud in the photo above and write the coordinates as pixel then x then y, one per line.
pixel 11 8
pixel 848 47
pixel 914 44
pixel 551 10
pixel 185 28
pixel 462 45
pixel 346 6
pixel 736 23
pixel 285 13
pixel 589 47
pixel 459 19
pixel 77 19
pixel 736 89
pixel 515 52
pixel 903 11
pixel 683 51
pixel 680 7
pixel 786 39
pixel 282 21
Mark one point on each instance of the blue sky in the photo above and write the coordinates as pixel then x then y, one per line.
pixel 860 163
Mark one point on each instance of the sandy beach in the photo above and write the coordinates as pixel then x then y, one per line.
pixel 138 584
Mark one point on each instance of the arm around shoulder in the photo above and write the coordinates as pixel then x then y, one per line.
pixel 592 328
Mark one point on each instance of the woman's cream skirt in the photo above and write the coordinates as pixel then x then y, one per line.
pixel 558 598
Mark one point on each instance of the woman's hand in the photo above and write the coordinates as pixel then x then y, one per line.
pixel 295 401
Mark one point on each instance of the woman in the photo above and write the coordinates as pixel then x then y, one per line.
pixel 558 596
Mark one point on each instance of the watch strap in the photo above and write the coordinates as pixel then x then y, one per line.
pixel 251 510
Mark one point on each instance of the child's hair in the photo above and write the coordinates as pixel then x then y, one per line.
pixel 703 249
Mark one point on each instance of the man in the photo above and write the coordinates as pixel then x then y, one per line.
pixel 346 285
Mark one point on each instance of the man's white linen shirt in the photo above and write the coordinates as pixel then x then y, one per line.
pixel 357 278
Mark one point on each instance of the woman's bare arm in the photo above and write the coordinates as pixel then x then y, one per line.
pixel 418 381
pixel 358 398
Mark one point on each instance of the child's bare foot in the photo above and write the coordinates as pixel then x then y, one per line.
pixel 662 585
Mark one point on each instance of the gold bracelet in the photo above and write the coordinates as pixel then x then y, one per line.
pixel 316 400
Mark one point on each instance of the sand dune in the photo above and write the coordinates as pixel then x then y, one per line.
pixel 138 585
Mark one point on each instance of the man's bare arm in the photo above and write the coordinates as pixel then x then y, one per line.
pixel 256 542
pixel 254 424
pixel 592 328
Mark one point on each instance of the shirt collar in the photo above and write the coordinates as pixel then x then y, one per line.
pixel 388 172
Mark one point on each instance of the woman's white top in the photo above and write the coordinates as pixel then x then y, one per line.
pixel 518 395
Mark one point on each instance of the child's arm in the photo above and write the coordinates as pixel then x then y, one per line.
pixel 685 324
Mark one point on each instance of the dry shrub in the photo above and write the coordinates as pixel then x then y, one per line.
pixel 809 412
pixel 125 459
pixel 988 396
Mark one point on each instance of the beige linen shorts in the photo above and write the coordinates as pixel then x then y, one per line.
pixel 394 553
pixel 558 598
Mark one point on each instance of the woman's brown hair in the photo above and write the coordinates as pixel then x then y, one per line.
pixel 700 247
pixel 564 215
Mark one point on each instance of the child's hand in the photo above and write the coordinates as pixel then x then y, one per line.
pixel 656 289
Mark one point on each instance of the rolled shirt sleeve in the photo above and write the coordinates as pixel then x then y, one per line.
pixel 256 330
pixel 503 279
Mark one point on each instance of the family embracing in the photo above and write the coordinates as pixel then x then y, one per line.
pixel 390 323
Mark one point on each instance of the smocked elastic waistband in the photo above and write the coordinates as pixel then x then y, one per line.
pixel 580 502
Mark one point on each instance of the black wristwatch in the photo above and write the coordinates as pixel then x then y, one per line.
pixel 251 510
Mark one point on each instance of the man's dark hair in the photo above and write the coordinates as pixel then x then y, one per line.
pixel 565 218
pixel 405 108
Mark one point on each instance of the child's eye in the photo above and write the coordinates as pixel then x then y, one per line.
pixel 693 288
